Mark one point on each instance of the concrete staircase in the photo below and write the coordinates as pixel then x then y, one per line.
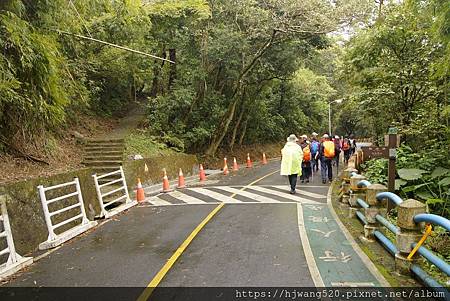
pixel 104 155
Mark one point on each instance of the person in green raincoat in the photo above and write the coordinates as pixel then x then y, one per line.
pixel 291 161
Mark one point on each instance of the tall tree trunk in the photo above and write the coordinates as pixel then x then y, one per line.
pixel 236 127
pixel 222 129
pixel 197 100
pixel 173 68
pixel 244 131
pixel 224 124
pixel 156 72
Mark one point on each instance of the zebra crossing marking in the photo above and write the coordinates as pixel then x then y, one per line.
pixel 287 196
pixel 215 195
pixel 256 197
pixel 187 198
pixel 304 192
pixel 218 197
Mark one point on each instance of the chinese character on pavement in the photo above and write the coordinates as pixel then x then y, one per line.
pixel 318 219
pixel 329 256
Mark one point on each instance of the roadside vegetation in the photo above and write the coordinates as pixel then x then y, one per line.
pixel 243 73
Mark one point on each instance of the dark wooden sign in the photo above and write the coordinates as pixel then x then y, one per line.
pixel 373 152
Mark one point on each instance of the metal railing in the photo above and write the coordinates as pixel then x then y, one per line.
pixel 14 261
pixel 108 199
pixel 54 239
pixel 364 201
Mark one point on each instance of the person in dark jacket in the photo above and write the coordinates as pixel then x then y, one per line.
pixel 314 146
pixel 337 152
pixel 326 155
pixel 346 149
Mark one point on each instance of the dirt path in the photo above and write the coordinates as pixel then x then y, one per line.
pixel 128 123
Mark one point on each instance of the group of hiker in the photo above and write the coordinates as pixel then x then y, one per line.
pixel 303 156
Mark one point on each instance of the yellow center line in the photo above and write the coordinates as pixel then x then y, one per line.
pixel 163 271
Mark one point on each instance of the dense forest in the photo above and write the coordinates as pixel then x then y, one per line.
pixel 227 72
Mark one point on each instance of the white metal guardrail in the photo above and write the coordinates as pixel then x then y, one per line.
pixel 14 262
pixel 57 239
pixel 110 197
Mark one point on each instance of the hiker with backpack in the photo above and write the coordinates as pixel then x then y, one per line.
pixel 306 163
pixel 314 147
pixel 291 161
pixel 326 154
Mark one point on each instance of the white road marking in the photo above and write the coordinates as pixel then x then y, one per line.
pixel 221 198
pixel 315 274
pixel 215 195
pixel 287 196
pixel 300 191
pixel 352 284
pixel 186 198
pixel 158 202
pixel 250 195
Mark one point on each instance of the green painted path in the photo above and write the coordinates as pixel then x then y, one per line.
pixel 337 261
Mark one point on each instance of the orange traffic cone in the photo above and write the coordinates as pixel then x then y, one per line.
pixel 140 195
pixel 181 183
pixel 202 174
pixel 225 166
pixel 235 165
pixel 166 185
pixel 264 161
pixel 249 162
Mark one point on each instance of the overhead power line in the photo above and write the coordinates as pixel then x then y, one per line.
pixel 113 45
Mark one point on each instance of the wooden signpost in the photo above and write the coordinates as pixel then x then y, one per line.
pixel 388 152
pixel 373 152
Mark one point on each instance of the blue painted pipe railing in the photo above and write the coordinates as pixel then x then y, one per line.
pixel 422 275
pixel 387 244
pixel 390 196
pixel 361 217
pixel 363 184
pixel 390 246
pixel 390 226
pixel 441 264
pixel 362 203
pixel 433 219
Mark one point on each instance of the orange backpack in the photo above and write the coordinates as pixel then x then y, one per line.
pixel 306 154
pixel 328 149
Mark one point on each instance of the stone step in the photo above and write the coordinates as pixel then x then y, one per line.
pixel 105 153
pixel 113 140
pixel 103 163
pixel 105 145
pixel 102 149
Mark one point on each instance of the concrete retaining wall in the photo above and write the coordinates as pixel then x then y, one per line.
pixel 25 209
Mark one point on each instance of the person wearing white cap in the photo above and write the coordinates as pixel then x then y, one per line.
pixel 291 161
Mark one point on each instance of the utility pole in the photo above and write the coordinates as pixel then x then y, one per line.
pixel 329 118
pixel 329 113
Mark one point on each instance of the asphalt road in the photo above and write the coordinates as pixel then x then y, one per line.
pixel 261 237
